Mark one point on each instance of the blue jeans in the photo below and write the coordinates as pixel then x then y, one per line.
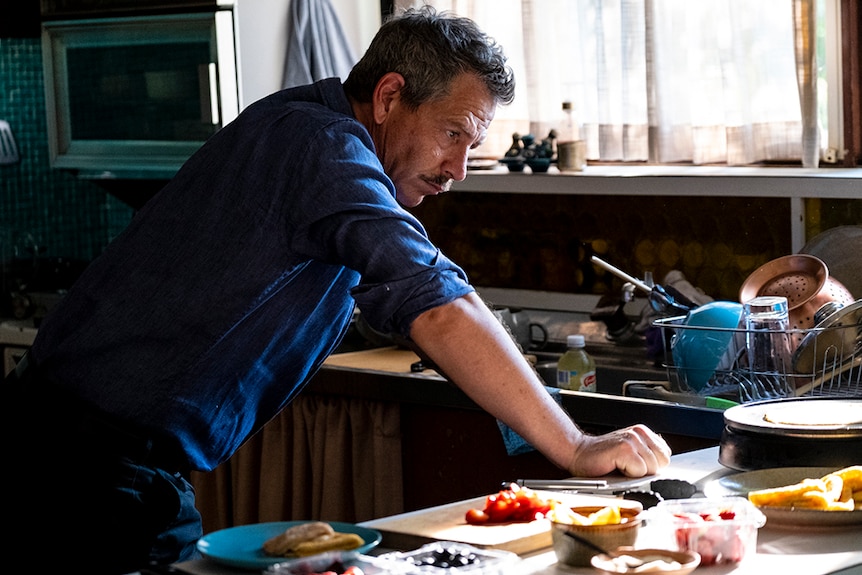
pixel 73 498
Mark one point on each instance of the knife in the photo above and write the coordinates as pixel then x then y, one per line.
pixel 562 484
pixel 585 485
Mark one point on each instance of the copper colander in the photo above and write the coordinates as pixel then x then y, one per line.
pixel 797 277
pixel 804 280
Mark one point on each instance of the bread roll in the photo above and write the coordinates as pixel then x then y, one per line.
pixel 335 542
pixel 284 544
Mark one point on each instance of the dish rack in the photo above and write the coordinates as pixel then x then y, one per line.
pixel 824 361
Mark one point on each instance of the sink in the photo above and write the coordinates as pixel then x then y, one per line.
pixel 615 365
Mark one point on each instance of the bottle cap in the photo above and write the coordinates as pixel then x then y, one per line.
pixel 575 340
pixel 567 105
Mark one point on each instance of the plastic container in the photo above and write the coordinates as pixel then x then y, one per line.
pixel 576 370
pixel 723 530
pixel 433 559
pixel 337 561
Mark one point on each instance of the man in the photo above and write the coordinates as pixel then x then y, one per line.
pixel 233 284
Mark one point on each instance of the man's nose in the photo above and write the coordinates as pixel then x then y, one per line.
pixel 458 167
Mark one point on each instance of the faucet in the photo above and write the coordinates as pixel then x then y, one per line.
pixel 610 310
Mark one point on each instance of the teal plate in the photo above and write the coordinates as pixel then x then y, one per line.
pixel 242 546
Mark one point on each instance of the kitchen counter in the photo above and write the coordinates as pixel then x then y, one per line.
pixel 425 443
pixel 779 550
pixel 385 374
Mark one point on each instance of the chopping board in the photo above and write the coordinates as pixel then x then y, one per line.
pixel 446 523
pixel 390 359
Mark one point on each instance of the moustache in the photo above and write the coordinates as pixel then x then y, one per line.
pixel 441 181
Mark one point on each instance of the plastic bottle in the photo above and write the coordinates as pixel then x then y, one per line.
pixel 576 370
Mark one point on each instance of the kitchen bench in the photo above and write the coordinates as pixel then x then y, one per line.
pixel 807 551
pixel 423 443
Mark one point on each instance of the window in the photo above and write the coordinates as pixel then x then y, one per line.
pixel 672 81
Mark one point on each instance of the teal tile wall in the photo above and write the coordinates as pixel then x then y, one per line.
pixel 42 209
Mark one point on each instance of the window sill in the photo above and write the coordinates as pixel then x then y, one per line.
pixel 778 182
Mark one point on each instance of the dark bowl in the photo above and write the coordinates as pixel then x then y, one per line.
pixel 514 164
pixel 539 165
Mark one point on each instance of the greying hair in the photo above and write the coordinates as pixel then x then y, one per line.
pixel 429 50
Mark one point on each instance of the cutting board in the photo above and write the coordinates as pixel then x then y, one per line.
pixel 391 359
pixel 446 523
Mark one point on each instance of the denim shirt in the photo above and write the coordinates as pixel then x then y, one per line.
pixel 226 292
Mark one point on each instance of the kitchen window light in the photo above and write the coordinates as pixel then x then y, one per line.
pixel 672 81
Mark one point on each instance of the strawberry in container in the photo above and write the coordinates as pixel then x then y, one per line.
pixel 723 530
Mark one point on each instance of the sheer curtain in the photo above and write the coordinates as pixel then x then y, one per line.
pixel 711 81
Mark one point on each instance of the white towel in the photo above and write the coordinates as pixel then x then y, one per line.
pixel 317 47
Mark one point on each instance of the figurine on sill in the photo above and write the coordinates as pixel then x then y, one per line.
pixel 526 151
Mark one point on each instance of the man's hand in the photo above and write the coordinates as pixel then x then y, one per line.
pixel 636 451
pixel 474 349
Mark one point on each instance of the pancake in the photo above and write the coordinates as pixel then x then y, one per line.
pixel 815 414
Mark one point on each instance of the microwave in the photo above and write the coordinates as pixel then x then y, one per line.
pixel 135 96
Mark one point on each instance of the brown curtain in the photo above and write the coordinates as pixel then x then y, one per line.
pixel 323 457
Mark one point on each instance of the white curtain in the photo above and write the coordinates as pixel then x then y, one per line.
pixel 705 81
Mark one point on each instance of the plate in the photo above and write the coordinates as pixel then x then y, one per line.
pixel 741 483
pixel 482 164
pixel 776 417
pixel 688 561
pixel 242 546
pixel 833 335
pixel 839 248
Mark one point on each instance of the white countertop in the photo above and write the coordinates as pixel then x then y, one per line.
pixel 808 551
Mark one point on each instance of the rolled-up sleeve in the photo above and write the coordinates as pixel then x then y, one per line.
pixel 350 217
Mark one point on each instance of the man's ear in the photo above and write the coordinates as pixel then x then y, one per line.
pixel 386 93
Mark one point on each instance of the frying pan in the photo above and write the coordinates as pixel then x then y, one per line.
pixel 798 432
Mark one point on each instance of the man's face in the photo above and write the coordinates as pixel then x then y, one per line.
pixel 425 150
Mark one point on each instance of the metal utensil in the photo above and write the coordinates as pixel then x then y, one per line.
pixel 666 301
pixel 584 485
pixel 8 149
pixel 631 562
pixel 563 484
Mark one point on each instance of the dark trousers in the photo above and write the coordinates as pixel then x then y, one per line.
pixel 80 492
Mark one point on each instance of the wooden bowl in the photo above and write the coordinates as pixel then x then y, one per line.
pixel 574 553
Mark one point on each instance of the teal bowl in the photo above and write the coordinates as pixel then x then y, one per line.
pixel 538 165
pixel 699 352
